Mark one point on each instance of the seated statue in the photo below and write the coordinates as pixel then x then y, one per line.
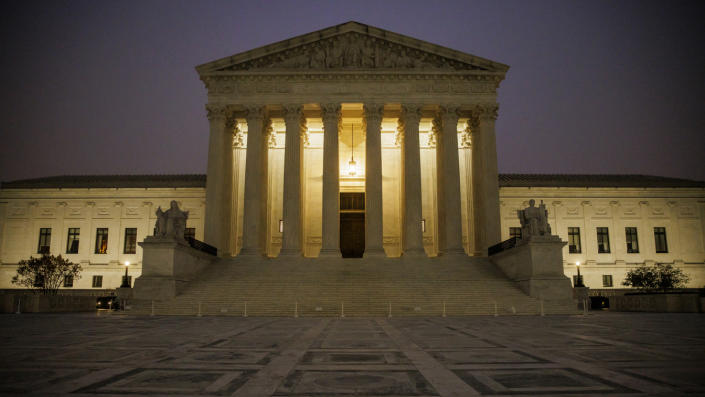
pixel 171 223
pixel 534 220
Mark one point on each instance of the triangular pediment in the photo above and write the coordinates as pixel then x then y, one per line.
pixel 353 46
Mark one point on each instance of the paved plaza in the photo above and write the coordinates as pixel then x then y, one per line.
pixel 116 354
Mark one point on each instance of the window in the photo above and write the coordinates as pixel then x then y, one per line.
pixel 606 280
pixel 44 240
pixel 632 240
pixel 101 240
pixel 352 201
pixel 190 232
pixel 515 232
pixel 68 281
pixel 97 281
pixel 603 240
pixel 38 281
pixel 130 240
pixel 72 240
pixel 575 280
pixel 574 240
pixel 660 237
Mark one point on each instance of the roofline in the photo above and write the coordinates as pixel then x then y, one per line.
pixel 350 26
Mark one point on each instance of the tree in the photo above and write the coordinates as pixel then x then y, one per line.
pixel 46 273
pixel 661 276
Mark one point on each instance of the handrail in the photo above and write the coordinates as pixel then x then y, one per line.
pixel 201 246
pixel 503 246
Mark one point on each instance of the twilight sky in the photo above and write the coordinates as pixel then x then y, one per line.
pixel 109 87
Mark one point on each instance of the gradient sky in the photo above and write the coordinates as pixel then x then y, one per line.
pixel 109 87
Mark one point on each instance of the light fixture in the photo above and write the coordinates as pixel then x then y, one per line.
pixel 281 226
pixel 423 225
pixel 126 279
pixel 579 281
pixel 352 165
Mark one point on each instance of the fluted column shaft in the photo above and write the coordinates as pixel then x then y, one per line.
pixel 485 178
pixel 291 240
pixel 253 227
pixel 373 181
pixel 412 237
pixel 453 229
pixel 331 182
pixel 226 188
pixel 217 115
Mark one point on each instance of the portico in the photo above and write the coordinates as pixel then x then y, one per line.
pixel 351 109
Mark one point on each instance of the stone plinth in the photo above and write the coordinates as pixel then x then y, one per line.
pixel 168 265
pixel 536 264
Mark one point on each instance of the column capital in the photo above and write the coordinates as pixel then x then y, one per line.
pixel 292 113
pixel 449 113
pixel 255 113
pixel 410 113
pixel 374 112
pixel 216 111
pixel 485 111
pixel 330 112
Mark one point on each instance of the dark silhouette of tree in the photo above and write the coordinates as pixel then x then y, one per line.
pixel 661 276
pixel 45 274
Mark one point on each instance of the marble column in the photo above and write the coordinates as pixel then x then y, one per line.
pixel 373 181
pixel 485 178
pixel 217 115
pixel 452 226
pixel 226 193
pixel 295 123
pixel 411 157
pixel 253 227
pixel 331 181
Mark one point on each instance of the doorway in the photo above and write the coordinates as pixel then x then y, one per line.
pixel 352 225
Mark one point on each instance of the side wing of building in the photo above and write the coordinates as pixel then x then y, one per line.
pixel 613 223
pixel 95 221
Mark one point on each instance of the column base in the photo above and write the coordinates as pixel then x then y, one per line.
pixel 414 253
pixel 330 253
pixel 290 253
pixel 453 252
pixel 374 253
pixel 251 252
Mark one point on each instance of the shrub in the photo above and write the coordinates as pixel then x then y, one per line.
pixel 661 277
pixel 45 274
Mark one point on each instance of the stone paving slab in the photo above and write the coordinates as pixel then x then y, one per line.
pixel 112 354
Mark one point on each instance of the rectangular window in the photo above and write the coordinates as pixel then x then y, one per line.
pixel 632 240
pixel 44 240
pixel 515 232
pixel 72 240
pixel 575 280
pixel 660 240
pixel 574 240
pixel 97 281
pixel 190 232
pixel 130 240
pixel 68 281
pixel 101 240
pixel 603 240
pixel 38 281
pixel 606 280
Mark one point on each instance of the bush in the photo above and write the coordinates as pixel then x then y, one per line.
pixel 661 277
pixel 45 274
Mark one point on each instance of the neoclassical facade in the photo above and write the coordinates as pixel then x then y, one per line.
pixel 353 141
pixel 396 102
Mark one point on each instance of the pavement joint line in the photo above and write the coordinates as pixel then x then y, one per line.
pixel 446 383
pixel 267 380
pixel 641 385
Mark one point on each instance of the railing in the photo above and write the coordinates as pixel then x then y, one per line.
pixel 503 246
pixel 201 246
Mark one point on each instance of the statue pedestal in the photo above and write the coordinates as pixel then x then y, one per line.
pixel 536 264
pixel 168 264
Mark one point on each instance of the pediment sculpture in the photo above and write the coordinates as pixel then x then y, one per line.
pixel 352 50
pixel 171 223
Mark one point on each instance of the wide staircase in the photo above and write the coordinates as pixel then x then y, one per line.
pixel 352 287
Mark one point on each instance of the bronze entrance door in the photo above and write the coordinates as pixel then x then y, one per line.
pixel 352 225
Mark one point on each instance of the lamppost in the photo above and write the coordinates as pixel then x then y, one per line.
pixel 579 281
pixel 125 278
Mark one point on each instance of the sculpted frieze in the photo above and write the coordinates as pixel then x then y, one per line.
pixel 352 50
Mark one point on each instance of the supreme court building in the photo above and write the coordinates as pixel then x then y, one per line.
pixel 354 142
